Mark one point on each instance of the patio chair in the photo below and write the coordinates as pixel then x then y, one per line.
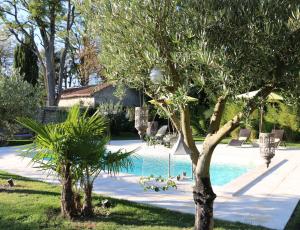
pixel 158 138
pixel 170 139
pixel 278 135
pixel 243 137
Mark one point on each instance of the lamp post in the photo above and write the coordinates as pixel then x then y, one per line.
pixel 180 148
pixel 141 120
pixel 141 113
pixel 156 75
pixel 267 146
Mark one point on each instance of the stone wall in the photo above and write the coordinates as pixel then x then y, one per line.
pixel 52 114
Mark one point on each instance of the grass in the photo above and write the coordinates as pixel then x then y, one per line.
pixel 293 144
pixel 35 205
pixel 125 136
pixel 226 141
pixel 294 222
pixel 16 143
pixel 201 139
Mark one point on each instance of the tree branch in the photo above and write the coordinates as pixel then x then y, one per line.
pixel 217 115
pixel 235 121
pixel 22 29
pixel 70 21
pixel 188 135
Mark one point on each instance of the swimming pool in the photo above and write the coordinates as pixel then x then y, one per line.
pixel 221 174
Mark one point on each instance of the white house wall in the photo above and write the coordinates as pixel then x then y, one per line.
pixel 83 101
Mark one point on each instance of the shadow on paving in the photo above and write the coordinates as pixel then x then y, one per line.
pixel 273 210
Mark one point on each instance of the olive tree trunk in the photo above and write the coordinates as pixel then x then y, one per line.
pixel 204 200
pixel 67 196
pixel 203 194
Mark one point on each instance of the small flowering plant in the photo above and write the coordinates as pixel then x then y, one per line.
pixel 157 183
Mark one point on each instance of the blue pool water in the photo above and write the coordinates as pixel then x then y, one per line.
pixel 221 174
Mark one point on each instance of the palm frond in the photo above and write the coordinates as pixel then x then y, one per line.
pixel 113 162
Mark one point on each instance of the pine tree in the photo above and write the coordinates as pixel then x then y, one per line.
pixel 26 61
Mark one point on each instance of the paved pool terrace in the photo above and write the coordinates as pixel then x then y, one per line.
pixel 265 197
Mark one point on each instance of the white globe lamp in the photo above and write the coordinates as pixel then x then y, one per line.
pixel 156 75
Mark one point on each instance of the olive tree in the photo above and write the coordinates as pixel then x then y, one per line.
pixel 221 47
pixel 17 98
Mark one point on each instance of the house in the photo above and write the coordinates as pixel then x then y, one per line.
pixel 91 96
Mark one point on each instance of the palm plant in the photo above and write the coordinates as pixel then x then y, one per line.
pixel 75 150
pixel 50 152
pixel 87 143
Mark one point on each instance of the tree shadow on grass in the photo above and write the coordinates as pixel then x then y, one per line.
pixel 135 214
pixel 52 220
pixel 16 225
pixel 20 189
pixel 6 176
pixel 29 191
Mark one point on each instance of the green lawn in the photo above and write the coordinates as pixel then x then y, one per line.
pixel 201 139
pixel 35 205
pixel 226 141
pixel 125 136
pixel 294 222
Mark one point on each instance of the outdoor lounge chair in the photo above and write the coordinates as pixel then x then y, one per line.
pixel 278 135
pixel 158 138
pixel 243 137
pixel 161 132
pixel 170 139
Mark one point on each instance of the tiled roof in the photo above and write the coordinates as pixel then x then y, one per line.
pixel 86 91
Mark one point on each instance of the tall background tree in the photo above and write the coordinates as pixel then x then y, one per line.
pixel 84 51
pixel 88 61
pixel 6 52
pixel 26 61
pixel 223 48
pixel 53 20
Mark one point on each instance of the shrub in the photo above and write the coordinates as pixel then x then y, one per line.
pixel 276 115
pixel 118 117
pixel 17 98
pixel 283 116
